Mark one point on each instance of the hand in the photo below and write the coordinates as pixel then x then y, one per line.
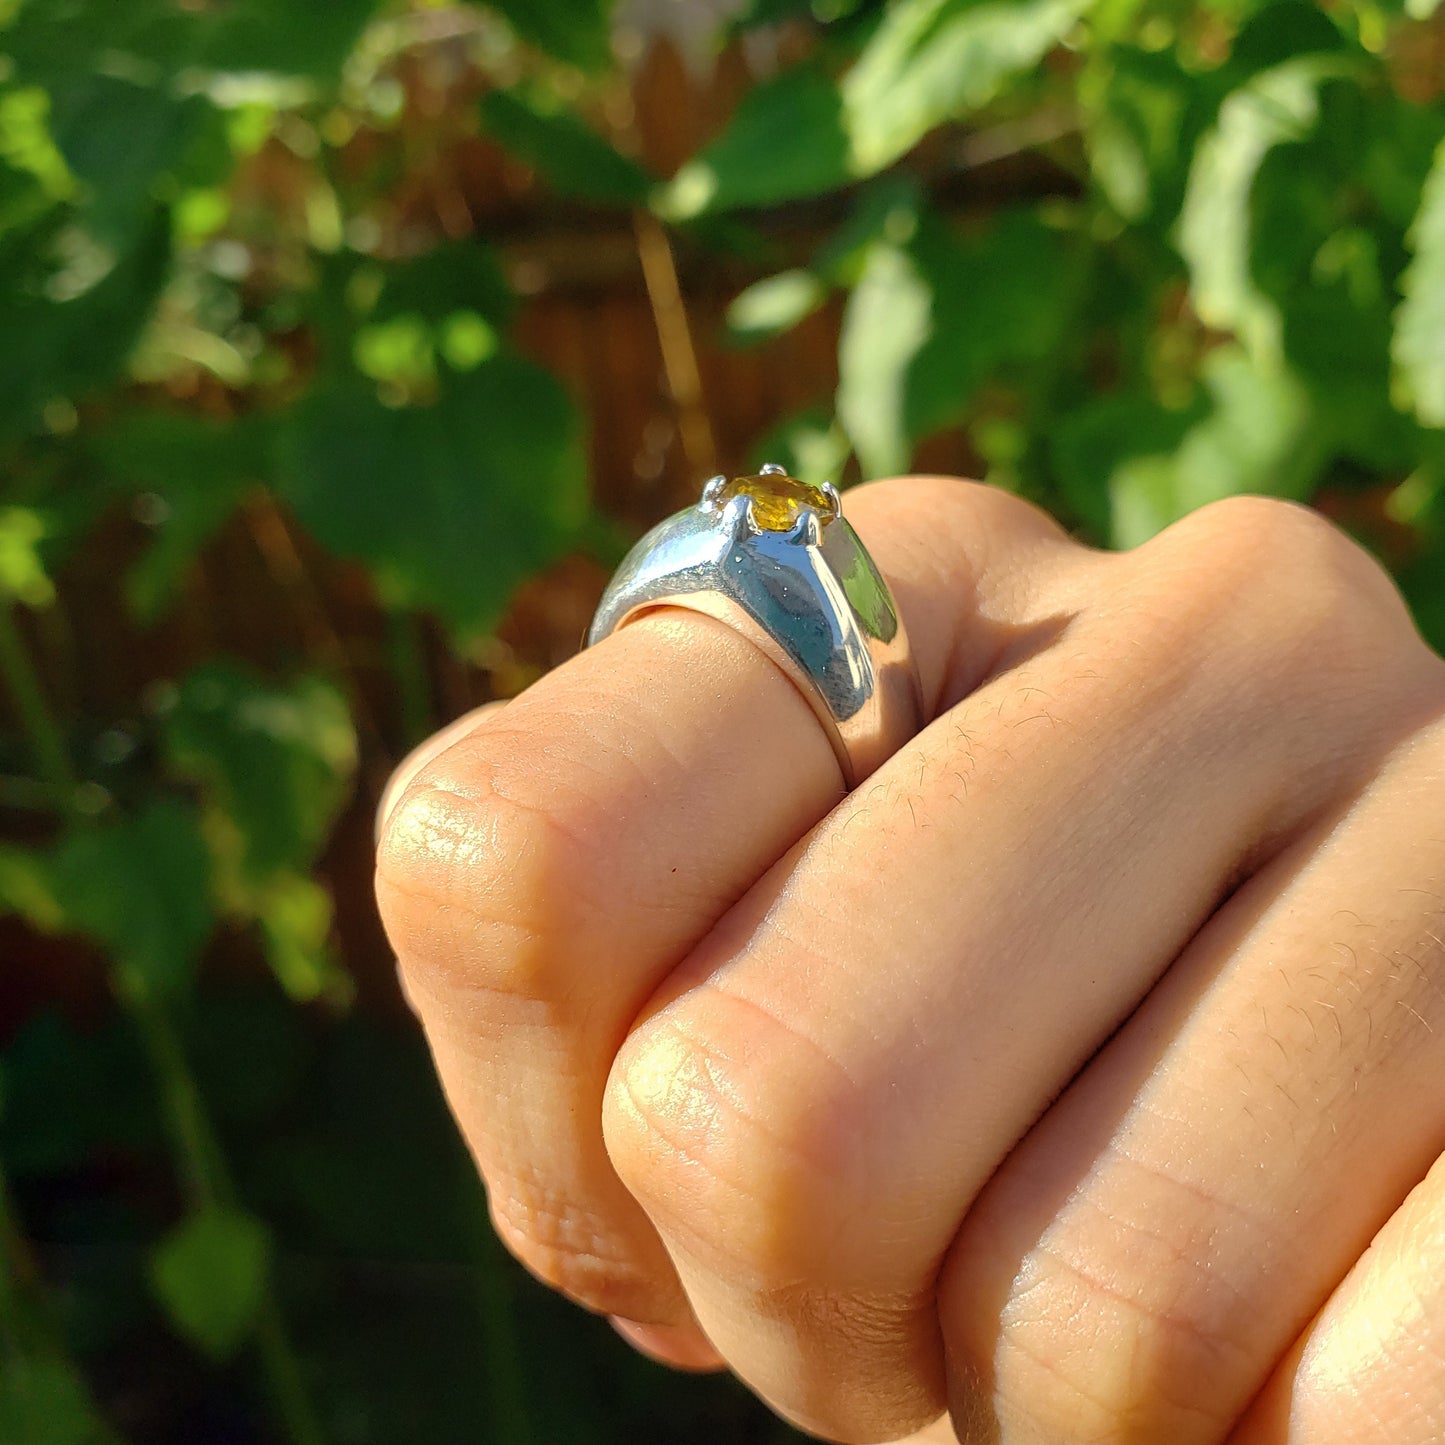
pixel 1060 1076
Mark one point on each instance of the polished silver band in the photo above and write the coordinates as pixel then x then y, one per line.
pixel 810 597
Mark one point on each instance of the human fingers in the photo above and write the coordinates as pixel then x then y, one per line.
pixel 1370 1370
pixel 820 1091
pixel 408 768
pixel 422 754
pixel 541 876
pixel 1140 1262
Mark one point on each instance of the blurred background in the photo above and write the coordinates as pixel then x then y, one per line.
pixel 345 347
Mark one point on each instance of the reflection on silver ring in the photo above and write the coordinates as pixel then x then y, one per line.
pixel 775 558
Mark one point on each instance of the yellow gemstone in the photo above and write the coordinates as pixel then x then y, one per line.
pixel 778 499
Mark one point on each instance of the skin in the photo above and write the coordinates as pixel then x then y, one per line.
pixel 1079 1077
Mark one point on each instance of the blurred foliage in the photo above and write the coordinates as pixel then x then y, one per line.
pixel 214 306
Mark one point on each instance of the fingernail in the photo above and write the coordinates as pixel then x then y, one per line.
pixel 684 1347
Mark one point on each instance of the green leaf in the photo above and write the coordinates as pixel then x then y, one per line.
pixel 451 504
pixel 209 1275
pixel 1261 436
pixel 57 43
pixel 27 888
pixel 932 61
pixel 275 764
pixel 811 445
pixel 280 37
pixel 44 1402
pixel 1215 233
pixel 888 320
pixel 120 139
pixel 35 175
pixel 61 42
pixel 1418 349
pixel 577 31
pixel 456 276
pixel 567 153
pixel 295 917
pixel 1000 299
pixel 1089 444
pixel 1140 114
pixel 140 888
pixel 933 318
pixel 802 134
pixel 774 305
pixel 22 573
pixel 884 209
pixel 71 312
pixel 786 140
pixel 1419 503
pixel 195 470
pixel 1279 30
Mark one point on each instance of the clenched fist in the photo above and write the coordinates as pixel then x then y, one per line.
pixel 1080 1074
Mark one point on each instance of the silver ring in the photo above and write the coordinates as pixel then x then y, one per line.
pixel 775 558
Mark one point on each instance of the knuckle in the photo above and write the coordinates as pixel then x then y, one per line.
pixel 1297 576
pixel 1254 531
pixel 1077 1356
pixel 1284 599
pixel 982 508
pixel 741 1139
pixel 1107 1325
pixel 471 884
pixel 573 1251
pixel 1080 1348
pixel 732 1149
pixel 684 1142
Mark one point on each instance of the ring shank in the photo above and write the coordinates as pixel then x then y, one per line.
pixel 822 613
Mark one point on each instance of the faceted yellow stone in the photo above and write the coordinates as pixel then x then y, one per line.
pixel 777 499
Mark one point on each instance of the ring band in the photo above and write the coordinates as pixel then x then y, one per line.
pixel 775 558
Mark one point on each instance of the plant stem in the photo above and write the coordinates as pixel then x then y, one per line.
pixel 208 1184
pixel 674 338
pixel 203 1168
pixel 404 650
pixel 501 1349
pixel 46 739
pixel 282 1369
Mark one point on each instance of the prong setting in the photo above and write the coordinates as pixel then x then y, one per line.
pixel 772 469
pixel 835 502
pixel 712 491
pixel 807 530
pixel 737 518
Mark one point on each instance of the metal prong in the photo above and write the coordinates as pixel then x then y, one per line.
pixel 710 492
pixel 737 518
pixel 807 531
pixel 835 502
pixel 772 469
